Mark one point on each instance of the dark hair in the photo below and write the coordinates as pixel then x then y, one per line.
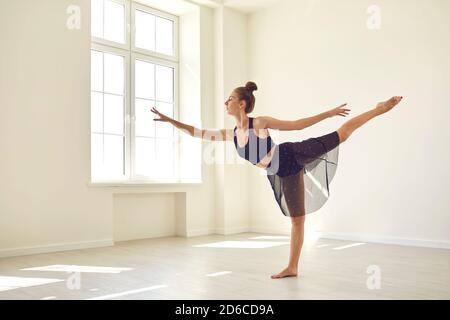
pixel 246 93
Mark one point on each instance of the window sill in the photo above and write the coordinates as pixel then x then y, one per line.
pixel 122 184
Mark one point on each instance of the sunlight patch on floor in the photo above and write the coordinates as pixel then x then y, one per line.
pixel 10 283
pixel 126 293
pixel 349 246
pixel 242 244
pixel 74 268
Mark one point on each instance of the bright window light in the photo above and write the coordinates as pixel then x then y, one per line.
pixel 108 20
pixel 134 67
pixel 349 246
pixel 74 268
pixel 154 33
pixel 145 30
pixel 114 21
pixel 97 18
pixel 10 283
pixel 125 293
pixel 322 245
pixel 242 244
pixel 164 36
pixel 107 115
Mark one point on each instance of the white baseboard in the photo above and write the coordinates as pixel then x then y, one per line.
pixel 387 240
pixel 14 252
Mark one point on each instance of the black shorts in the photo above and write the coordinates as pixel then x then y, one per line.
pixel 300 173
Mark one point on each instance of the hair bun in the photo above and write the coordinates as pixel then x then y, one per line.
pixel 251 86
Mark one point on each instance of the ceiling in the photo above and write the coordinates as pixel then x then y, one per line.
pixel 180 7
pixel 249 6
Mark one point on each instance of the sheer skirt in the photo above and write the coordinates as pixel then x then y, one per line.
pixel 300 173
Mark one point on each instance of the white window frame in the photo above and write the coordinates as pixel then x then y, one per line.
pixel 146 58
pixel 124 46
pixel 137 6
pixel 130 53
pixel 126 56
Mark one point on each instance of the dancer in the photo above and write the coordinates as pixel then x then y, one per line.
pixel 299 172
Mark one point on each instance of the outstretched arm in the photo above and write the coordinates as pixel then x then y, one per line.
pixel 272 123
pixel 211 135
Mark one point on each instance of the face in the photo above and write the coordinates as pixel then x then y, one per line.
pixel 233 105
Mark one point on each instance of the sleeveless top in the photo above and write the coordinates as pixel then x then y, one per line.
pixel 256 148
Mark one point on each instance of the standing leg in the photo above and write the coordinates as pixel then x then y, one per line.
pixel 295 197
pixel 348 127
pixel 297 236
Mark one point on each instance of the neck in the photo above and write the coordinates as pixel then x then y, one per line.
pixel 242 120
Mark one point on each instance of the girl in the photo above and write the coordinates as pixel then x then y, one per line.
pixel 299 172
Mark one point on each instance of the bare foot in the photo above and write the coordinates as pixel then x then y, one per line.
pixel 387 105
pixel 285 273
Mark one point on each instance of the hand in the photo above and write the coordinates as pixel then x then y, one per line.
pixel 339 111
pixel 162 117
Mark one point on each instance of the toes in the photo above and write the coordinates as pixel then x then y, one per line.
pixel 277 276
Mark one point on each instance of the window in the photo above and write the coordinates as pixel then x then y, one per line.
pixel 134 67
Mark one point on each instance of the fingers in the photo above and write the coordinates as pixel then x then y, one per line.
pixel 154 110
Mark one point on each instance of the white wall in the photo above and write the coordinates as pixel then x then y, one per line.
pixel 305 56
pixel 44 129
pixel 46 203
pixel 393 176
pixel 230 54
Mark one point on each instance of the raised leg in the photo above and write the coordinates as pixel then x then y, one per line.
pixel 351 125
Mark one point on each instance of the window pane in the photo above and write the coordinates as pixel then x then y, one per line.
pixel 164 84
pixel 96 112
pixel 96 154
pixel 164 158
pixel 145 126
pixel 114 73
pixel 114 155
pixel 97 18
pixel 145 156
pixel 145 30
pixel 114 21
pixel 164 129
pixel 164 36
pixel 114 114
pixel 145 80
pixel 96 70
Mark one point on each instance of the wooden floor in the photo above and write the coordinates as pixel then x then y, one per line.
pixel 235 267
